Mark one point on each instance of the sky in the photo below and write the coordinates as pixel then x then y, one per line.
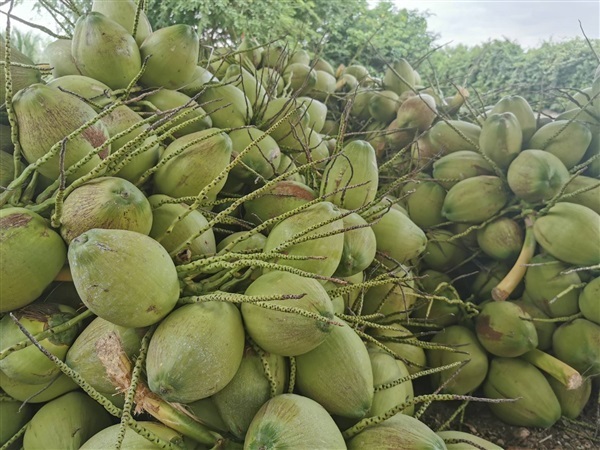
pixel 528 22
pixel 471 22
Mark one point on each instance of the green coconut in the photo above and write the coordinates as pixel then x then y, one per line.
pixel 449 136
pixel 45 116
pixel 418 111
pixel 300 78
pixel 383 106
pixel 567 140
pixel 399 77
pixel 30 365
pixel 271 80
pixel 577 343
pixel 360 103
pixel 288 333
pixel 248 84
pixel 504 329
pixel 250 388
pixel 173 56
pixel 195 351
pixel 469 350
pixel 571 233
pixel 59 57
pixel 65 423
pixel 188 155
pixel 13 416
pixel 436 310
pixel 536 175
pixel 284 196
pixel 518 106
pixel 105 202
pixel 104 50
pixel 544 329
pixel 317 111
pixel 36 393
pixel 475 199
pixel 165 212
pixel 398 432
pixel 124 13
pixel 572 401
pixel 83 353
pixel 397 236
pixel 513 378
pixel 401 341
pixel 442 252
pixel 262 159
pixel 133 441
pixel 546 286
pixel 179 108
pixel 501 138
pixel 588 301
pixel 424 199
pixel 588 189
pixel 359 246
pixel 338 373
pixel 452 168
pixel 293 422
pixel 21 76
pixel 324 87
pixel 101 263
pixel 31 255
pixel 387 370
pixel 98 94
pixel 288 117
pixel 227 106
pixel 315 231
pixel 501 239
pixel 394 299
pixel 198 81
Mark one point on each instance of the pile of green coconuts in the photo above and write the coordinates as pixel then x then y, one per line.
pixel 247 247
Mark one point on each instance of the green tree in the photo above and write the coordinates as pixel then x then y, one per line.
pixel 543 75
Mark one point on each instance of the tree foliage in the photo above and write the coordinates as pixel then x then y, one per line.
pixel 542 75
pixel 353 31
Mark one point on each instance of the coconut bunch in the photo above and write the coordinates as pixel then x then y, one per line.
pixel 208 243
pixel 253 248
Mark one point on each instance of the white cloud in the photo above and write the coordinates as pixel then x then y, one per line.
pixel 528 22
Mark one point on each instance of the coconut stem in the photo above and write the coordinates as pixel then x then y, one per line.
pixel 292 382
pixel 554 367
pixel 516 274
pixel 129 396
pixel 370 421
pixel 391 384
pixel 237 298
pixel 266 369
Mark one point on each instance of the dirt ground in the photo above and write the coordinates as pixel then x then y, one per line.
pixel 564 435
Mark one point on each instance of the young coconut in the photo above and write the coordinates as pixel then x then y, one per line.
pixel 30 365
pixel 104 50
pixel 75 418
pixel 293 422
pixel 102 262
pixel 288 333
pixel 105 202
pixel 338 374
pixel 45 117
pixel 31 255
pixel 250 388
pixel 196 351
